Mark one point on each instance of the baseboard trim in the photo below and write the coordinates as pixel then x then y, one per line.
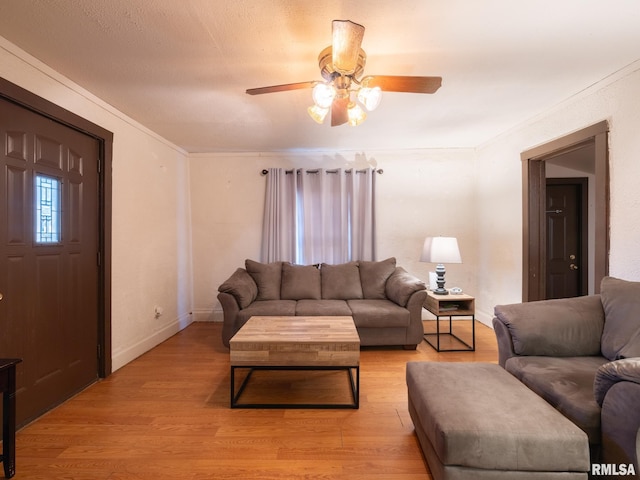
pixel 208 315
pixel 121 358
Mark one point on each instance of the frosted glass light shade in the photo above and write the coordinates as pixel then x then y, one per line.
pixel 323 94
pixel 356 114
pixel 370 97
pixel 318 113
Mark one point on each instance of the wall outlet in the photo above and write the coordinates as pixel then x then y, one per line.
pixel 158 311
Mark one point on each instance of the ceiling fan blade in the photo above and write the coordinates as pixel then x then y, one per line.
pixel 280 88
pixel 347 38
pixel 392 83
pixel 339 112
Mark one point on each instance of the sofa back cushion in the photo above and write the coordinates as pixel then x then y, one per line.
pixel 621 303
pixel 340 282
pixel 565 327
pixel 374 276
pixel 267 277
pixel 300 282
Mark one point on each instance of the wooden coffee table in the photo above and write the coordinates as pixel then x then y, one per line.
pixel 296 343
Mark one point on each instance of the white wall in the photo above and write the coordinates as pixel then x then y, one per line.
pixel 499 190
pixel 151 242
pixel 420 193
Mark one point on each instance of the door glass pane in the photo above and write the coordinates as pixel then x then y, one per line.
pixel 47 209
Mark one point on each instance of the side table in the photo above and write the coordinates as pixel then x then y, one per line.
pixel 8 388
pixel 451 305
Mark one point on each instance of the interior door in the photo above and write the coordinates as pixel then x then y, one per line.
pixel 566 237
pixel 49 274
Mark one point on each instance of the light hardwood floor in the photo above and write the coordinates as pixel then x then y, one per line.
pixel 167 415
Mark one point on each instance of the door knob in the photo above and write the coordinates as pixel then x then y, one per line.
pixel 1 296
pixel 573 266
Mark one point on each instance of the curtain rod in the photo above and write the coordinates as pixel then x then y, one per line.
pixel 379 171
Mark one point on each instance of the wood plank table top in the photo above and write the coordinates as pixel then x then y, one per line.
pixel 296 341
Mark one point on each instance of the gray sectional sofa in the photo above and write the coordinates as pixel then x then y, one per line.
pixel 582 355
pixel 384 300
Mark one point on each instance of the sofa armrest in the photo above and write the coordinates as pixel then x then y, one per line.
pixel 624 370
pixel 566 327
pixel 242 286
pixel 620 416
pixel 230 309
pixel 505 342
pixel 415 330
pixel 401 285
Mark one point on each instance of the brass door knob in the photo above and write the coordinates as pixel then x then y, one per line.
pixel 573 266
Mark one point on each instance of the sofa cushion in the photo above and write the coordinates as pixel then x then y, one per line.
pixel 374 276
pixel 566 383
pixel 300 281
pixel 401 285
pixel 566 327
pixel 285 308
pixel 267 277
pixel 313 308
pixel 378 313
pixel 340 282
pixel 242 286
pixel 621 303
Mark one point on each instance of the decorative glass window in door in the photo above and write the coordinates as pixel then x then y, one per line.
pixel 47 225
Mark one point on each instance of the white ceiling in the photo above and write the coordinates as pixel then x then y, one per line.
pixel 181 67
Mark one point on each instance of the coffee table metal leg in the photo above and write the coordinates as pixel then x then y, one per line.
pixel 354 384
pixel 236 396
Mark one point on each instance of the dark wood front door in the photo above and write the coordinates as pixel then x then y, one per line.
pixel 49 244
pixel 566 237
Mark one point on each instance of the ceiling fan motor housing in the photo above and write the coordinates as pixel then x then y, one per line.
pixel 329 72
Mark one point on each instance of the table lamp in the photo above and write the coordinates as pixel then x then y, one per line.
pixel 440 250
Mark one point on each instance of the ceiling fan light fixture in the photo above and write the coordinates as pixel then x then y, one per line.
pixel 318 113
pixel 323 94
pixel 370 97
pixel 344 91
pixel 356 114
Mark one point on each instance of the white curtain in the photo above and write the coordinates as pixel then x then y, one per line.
pixel 314 216
pixel 278 226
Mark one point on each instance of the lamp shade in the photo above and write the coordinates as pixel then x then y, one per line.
pixel 441 250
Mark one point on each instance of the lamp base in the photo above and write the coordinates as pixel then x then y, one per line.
pixel 440 271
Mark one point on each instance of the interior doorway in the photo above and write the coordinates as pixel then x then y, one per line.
pixel 586 153
pixel 567 269
pixel 55 249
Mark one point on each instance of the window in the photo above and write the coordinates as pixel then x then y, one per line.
pixel 47 205
pixel 315 216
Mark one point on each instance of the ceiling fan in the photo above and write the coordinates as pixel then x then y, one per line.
pixel 344 89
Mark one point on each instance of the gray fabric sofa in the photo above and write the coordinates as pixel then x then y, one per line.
pixel 384 300
pixel 582 355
